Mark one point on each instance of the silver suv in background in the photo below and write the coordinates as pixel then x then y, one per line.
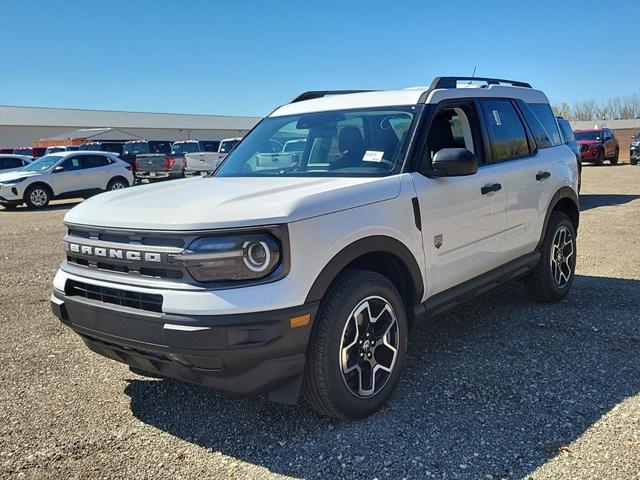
pixel 63 175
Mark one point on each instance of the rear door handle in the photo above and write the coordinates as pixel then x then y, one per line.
pixel 542 175
pixel 494 187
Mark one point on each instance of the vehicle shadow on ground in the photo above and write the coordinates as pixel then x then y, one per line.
pixel 497 387
pixel 48 208
pixel 589 201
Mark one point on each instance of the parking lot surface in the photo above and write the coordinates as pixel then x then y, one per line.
pixel 499 388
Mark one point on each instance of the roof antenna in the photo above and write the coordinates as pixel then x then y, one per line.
pixel 473 74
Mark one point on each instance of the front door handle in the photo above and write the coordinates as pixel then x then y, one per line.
pixel 542 175
pixel 494 187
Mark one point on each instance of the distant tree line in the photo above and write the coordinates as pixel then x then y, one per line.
pixel 615 108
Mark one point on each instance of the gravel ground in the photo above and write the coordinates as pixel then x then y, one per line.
pixel 500 388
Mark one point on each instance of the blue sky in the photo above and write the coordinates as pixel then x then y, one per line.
pixel 246 57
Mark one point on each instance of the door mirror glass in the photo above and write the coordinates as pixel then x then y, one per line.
pixel 453 162
pixel 58 169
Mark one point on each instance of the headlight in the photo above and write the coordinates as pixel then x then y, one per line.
pixel 15 181
pixel 231 258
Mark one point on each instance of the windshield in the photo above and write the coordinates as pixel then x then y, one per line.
pixel 589 135
pixel 23 151
pixel 55 149
pixel 42 164
pixel 189 147
pixel 368 142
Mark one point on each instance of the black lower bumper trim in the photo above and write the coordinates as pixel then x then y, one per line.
pixel 244 353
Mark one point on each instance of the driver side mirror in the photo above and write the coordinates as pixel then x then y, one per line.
pixel 58 169
pixel 453 162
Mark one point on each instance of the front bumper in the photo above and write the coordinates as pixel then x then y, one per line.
pixel 589 155
pixel 244 353
pixel 11 193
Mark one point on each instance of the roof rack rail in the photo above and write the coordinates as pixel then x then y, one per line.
pixel 452 82
pixel 323 93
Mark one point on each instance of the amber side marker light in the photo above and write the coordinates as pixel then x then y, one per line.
pixel 300 321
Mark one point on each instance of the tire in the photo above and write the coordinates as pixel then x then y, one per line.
pixel 599 158
pixel 614 159
pixel 345 391
pixel 551 281
pixel 117 184
pixel 37 196
pixel 633 161
pixel 9 206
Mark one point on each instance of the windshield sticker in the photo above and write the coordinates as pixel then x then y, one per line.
pixel 496 117
pixel 372 156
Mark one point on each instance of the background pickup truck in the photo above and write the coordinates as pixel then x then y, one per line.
pixel 152 159
pixel 208 160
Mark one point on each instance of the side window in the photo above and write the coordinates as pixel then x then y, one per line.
pixel 538 131
pixel 73 163
pixel 506 132
pixel 455 126
pixel 548 120
pixel 94 161
pixel 11 163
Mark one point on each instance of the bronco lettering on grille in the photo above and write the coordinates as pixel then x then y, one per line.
pixel 115 253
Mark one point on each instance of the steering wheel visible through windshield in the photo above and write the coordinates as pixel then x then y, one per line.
pixel 366 142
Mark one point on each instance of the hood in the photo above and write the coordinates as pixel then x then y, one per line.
pixel 224 202
pixel 13 174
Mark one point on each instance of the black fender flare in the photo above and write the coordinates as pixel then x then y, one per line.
pixel 363 246
pixel 563 193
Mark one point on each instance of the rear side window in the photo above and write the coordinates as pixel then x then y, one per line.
pixel 93 161
pixel 11 163
pixel 506 132
pixel 548 120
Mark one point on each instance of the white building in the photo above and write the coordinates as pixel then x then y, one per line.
pixel 25 125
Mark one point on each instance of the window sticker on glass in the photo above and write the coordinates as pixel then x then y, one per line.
pixel 496 117
pixel 372 156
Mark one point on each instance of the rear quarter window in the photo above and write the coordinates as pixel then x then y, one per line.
pixel 548 120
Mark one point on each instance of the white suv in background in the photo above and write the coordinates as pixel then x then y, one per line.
pixel 64 175
pixel 305 273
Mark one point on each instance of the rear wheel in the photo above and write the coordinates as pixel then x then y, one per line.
pixel 600 158
pixel 357 346
pixel 117 184
pixel 552 278
pixel 37 196
pixel 633 161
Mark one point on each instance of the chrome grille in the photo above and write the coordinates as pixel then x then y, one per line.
pixel 107 250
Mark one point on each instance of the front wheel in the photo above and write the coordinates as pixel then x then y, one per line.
pixel 614 159
pixel 552 278
pixel 357 346
pixel 633 161
pixel 37 196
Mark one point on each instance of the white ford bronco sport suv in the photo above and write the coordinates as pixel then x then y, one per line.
pixel 304 274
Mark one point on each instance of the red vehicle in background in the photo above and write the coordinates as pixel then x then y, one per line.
pixel 6 150
pixel 598 145
pixel 34 152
